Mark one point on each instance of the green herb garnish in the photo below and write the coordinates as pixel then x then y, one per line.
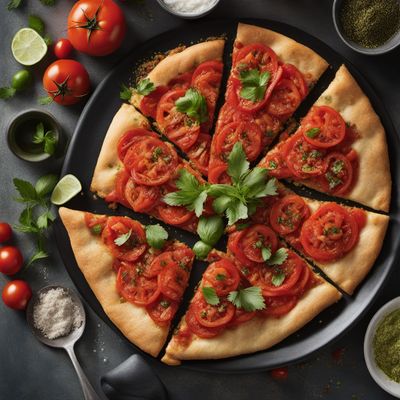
pixel 313 132
pixel 194 105
pixel 210 295
pixel 156 236
pixel 278 278
pixel 125 93
pixel 48 139
pixel 145 87
pixel 254 84
pixel 250 299
pixel 122 239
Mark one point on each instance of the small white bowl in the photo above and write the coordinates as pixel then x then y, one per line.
pixel 188 15
pixel 377 374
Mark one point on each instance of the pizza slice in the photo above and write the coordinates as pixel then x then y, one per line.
pixel 340 147
pixel 344 242
pixel 138 278
pixel 271 75
pixel 240 309
pixel 180 93
pixel 137 169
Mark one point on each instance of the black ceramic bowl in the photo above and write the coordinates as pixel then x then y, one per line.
pixel 21 130
pixel 391 44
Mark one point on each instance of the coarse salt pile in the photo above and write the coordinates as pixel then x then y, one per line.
pixel 56 314
pixel 190 6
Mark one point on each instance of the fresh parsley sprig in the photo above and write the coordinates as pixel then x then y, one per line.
pixel 156 236
pixel 210 230
pixel 254 84
pixel 125 93
pixel 145 87
pixel 48 139
pixel 194 105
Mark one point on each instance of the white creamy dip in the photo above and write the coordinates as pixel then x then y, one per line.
pixel 189 6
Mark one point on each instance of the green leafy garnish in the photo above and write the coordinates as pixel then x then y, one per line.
pixel 210 295
pixel 337 167
pixel 7 92
pixel 250 299
pixel 220 277
pixel 96 229
pixel 48 139
pixel 210 229
pixel 14 4
pixel 156 236
pixel 125 93
pixel 194 105
pixel 279 257
pixel 48 2
pixel 254 84
pixel 266 253
pixel 145 87
pixel 278 278
pixel 313 132
pixel 37 24
pixel 45 100
pixel 201 249
pixel 122 239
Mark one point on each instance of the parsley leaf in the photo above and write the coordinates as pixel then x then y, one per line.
pixel 236 211
pixel 122 239
pixel 237 162
pixel 14 4
pixel 47 138
pixel 156 236
pixel 266 253
pixel 254 84
pixel 26 190
pixel 7 92
pixel 36 24
pixel 46 184
pixel 278 278
pixel 38 255
pixel 145 87
pixel 250 299
pixel 337 167
pixel 313 132
pixel 194 105
pixel 210 295
pixel 279 257
pixel 125 93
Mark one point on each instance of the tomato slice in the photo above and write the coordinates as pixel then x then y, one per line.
pixel 134 287
pixel 292 73
pixel 151 161
pixel 278 306
pixel 223 276
pixel 323 127
pixel 174 215
pixel 303 159
pixel 198 329
pixel 182 81
pixel 255 238
pixel 129 138
pixel 360 216
pixel 176 126
pixel 218 174
pixel 246 132
pixel 338 177
pixel 213 316
pixel 141 198
pixel 288 213
pixel 284 100
pixel 162 311
pixel 173 281
pixel 135 244
pixel 275 164
pixel 303 281
pixel 149 103
pixel 241 316
pixel 92 220
pixel 329 233
pixel 199 153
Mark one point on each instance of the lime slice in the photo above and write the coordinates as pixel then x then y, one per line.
pixel 68 187
pixel 28 47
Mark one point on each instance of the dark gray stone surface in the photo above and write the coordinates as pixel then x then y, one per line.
pixel 28 369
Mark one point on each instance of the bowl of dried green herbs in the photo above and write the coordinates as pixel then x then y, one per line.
pixel 369 27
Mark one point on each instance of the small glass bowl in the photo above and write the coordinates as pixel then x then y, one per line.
pixel 188 15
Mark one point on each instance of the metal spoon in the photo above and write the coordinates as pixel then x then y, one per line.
pixel 65 342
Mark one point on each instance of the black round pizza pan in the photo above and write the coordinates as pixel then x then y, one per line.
pixel 85 146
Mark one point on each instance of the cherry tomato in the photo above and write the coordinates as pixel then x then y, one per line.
pixel 96 27
pixel 63 48
pixel 16 294
pixel 5 232
pixel 280 373
pixel 10 260
pixel 66 81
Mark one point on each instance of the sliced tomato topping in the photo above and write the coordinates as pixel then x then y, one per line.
pixel 174 215
pixel 292 73
pixel 118 194
pixel 284 100
pixel 149 103
pixel 329 233
pixel 162 311
pixel 241 316
pixel 218 174
pixel 92 221
pixel 245 132
pixel 255 238
pixel 182 81
pixel 199 153
pixel 135 244
pixel 275 164
pixel 129 138
pixel 134 287
pixel 198 329
pixel 279 306
pixel 223 276
pixel 151 161
pixel 173 281
pixel 288 213
pixel 141 198
pixel 323 127
pixel 303 281
pixel 212 316
pixel 176 126
pixel 360 216
pixel 303 159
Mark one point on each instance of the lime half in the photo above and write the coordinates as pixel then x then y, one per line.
pixel 28 47
pixel 68 187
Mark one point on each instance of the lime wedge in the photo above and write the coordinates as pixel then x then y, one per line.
pixel 28 47
pixel 67 188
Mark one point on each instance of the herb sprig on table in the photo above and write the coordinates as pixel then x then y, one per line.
pixel 36 217
pixel 47 139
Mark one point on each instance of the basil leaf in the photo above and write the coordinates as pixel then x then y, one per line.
pixel 254 84
pixel 237 162
pixel 156 236
pixel 122 239
pixel 210 229
pixel 279 257
pixel 221 203
pixel 277 279
pixel 250 299
pixel 269 189
pixel 313 132
pixel 210 295
pixel 145 87
pixel 193 104
pixel 201 249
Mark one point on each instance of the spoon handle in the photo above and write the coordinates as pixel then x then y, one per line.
pixel 88 391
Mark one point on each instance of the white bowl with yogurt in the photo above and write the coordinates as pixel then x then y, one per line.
pixel 189 9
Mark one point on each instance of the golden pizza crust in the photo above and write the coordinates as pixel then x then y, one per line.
pixel 96 264
pixel 288 50
pixel 108 163
pixel 257 334
pixel 179 63
pixel 373 186
pixel 349 271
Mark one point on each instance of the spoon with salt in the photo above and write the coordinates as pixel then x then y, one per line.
pixel 65 342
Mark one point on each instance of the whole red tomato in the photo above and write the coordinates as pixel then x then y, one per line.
pixel 5 232
pixel 66 81
pixel 62 48
pixel 16 294
pixel 10 260
pixel 96 27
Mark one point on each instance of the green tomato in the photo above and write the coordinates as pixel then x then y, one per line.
pixel 21 80
pixel 201 249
